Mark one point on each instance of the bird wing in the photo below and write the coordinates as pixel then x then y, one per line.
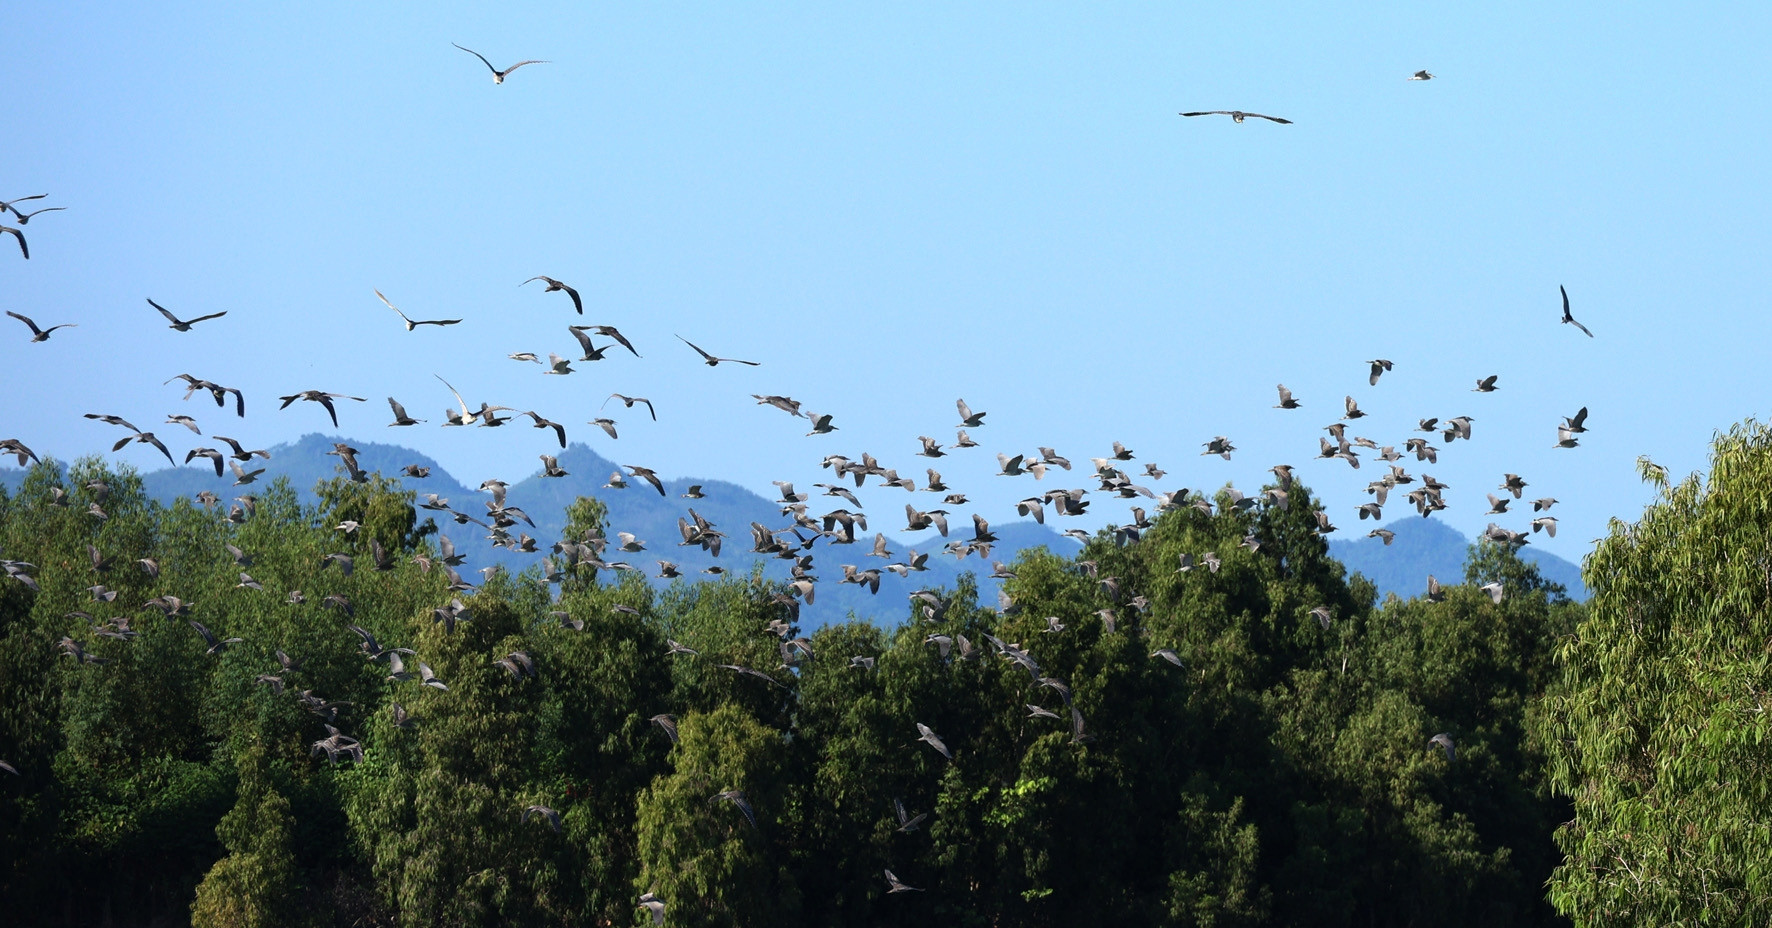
pixel 1209 113
pixel 482 58
pixel 520 64
pixel 210 316
pixel 169 316
pixel 391 306
pixel 710 358
pixel 22 247
pixel 577 303
pixel 26 321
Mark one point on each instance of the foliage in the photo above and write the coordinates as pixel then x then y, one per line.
pixel 1281 774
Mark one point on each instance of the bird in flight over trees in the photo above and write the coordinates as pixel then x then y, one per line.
pixel 498 77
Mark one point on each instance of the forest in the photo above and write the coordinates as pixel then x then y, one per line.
pixel 270 713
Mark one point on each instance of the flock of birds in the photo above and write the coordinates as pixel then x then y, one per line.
pixel 794 541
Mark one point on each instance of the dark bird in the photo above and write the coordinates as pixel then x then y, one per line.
pixel 181 325
pixel 553 818
pixel 710 359
pixel 608 331
pixel 400 416
pixel 1568 319
pixel 556 285
pixel 1421 76
pixel 1238 116
pixel 1379 367
pixel 40 335
pixel 629 402
pixel 324 399
pixel 216 646
pixel 498 77
pixel 414 323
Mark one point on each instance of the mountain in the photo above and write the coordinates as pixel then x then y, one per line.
pixel 1429 546
pixel 1421 546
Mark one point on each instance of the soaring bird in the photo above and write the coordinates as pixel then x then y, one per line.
pixel 898 887
pixel 1239 116
pixel 324 399
pixel 553 285
pixel 1421 76
pixel 498 77
pixel 1568 319
pixel 710 359
pixel 608 331
pixel 40 335
pixel 629 401
pixel 414 323
pixel 181 325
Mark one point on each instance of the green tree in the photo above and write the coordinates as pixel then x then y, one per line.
pixel 1659 730
pixel 258 883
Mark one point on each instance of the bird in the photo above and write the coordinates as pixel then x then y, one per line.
pixel 553 817
pixel 897 887
pixel 181 325
pixel 1286 400
pixel 925 734
pixel 1568 319
pixel 216 646
pixel 20 235
pixel 1486 384
pixel 1495 591
pixel 1444 742
pixel 1379 367
pixel 1238 116
pixel 400 416
pixel 414 323
pixel 736 797
pixel 655 905
pixel 608 331
pixel 710 359
pixel 1434 593
pixel 1168 655
pixel 968 418
pixel 40 335
pixel 6 205
pixel 553 284
pixel 1421 76
pixel 668 723
pixel 24 218
pixel 324 399
pixel 1576 422
pixel 629 401
pixel 498 77
pixel 647 474
pixel 607 425
pixel 907 823
pixel 557 365
pixel 145 438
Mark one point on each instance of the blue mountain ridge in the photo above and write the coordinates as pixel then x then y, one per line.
pixel 1421 546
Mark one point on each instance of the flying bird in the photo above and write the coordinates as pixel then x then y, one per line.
pixel 40 335
pixel 1421 76
pixel 1379 367
pixel 710 359
pixel 498 77
pixel 553 285
pixel 924 733
pixel 1238 116
pixel 324 399
pixel 181 325
pixel 897 887
pixel 414 323
pixel 1568 319
pixel 629 402
pixel 1444 742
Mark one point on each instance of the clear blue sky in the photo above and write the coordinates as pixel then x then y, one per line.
pixel 895 208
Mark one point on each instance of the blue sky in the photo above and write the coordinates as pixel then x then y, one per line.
pixel 894 208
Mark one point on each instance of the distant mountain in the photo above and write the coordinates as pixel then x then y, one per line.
pixel 639 510
pixel 1421 546
pixel 1429 546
